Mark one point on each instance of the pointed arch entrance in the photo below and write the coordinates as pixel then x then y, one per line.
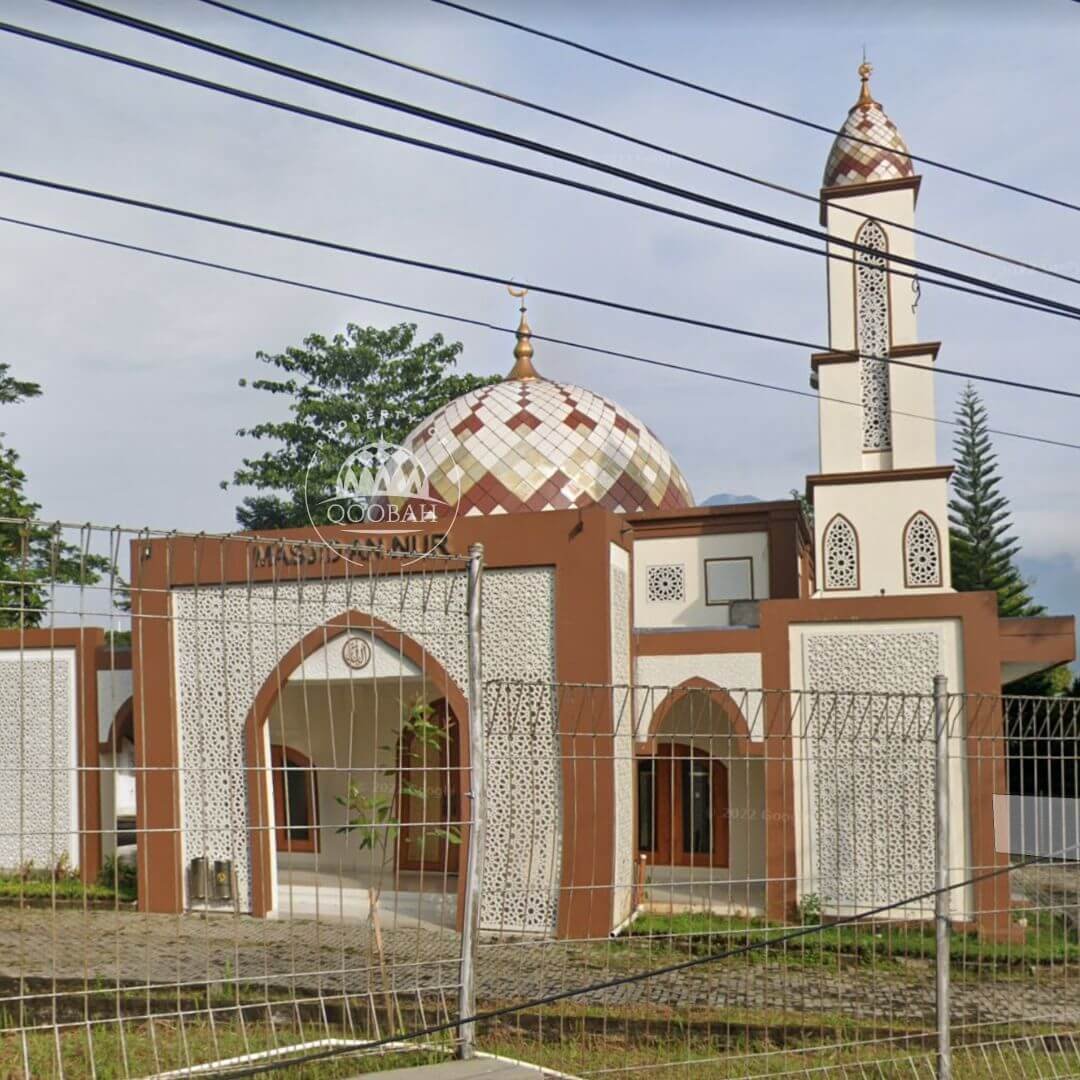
pixel 446 777
pixel 700 799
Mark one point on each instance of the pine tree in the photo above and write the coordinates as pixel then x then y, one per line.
pixel 982 544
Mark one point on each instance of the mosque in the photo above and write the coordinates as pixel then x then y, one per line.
pixel 249 672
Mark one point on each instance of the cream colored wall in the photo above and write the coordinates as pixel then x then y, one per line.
pixel 840 434
pixel 738 673
pixel 880 512
pixel 113 689
pixel 342 727
pixel 117 791
pixel 691 553
pixel 911 391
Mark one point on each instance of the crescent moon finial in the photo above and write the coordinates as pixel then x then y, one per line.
pixel 523 350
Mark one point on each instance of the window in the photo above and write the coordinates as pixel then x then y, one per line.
pixel 697 800
pixel 295 800
pixel 664 583
pixel 873 334
pixel 922 553
pixel 841 554
pixel 729 579
pixel 646 797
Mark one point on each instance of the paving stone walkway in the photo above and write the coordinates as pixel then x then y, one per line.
pixel 103 950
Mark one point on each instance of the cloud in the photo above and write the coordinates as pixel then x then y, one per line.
pixel 140 359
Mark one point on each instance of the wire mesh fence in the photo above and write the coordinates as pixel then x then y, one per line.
pixel 241 828
pixel 766 862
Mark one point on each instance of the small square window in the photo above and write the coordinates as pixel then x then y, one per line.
pixel 665 583
pixel 729 579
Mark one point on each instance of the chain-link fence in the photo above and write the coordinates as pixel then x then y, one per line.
pixel 240 828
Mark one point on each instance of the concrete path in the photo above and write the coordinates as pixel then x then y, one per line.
pixel 479 1068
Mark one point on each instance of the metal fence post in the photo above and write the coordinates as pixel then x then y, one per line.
pixel 474 864
pixel 941 874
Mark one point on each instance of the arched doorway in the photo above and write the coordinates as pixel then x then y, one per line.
pixel 349 805
pixel 430 795
pixel 700 797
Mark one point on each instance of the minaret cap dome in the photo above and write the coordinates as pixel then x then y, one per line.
pixel 868 148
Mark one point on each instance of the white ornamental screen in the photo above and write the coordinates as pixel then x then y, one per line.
pixel 874 337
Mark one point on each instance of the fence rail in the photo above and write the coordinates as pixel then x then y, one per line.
pixel 263 805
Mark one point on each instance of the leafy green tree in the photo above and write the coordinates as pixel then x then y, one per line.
pixel 982 543
pixel 33 557
pixel 348 391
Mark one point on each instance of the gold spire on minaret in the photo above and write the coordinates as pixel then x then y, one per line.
pixel 523 350
pixel 866 99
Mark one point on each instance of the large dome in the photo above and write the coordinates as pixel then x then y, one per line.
pixel 528 443
pixel 852 159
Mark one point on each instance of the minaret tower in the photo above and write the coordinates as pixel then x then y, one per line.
pixel 880 519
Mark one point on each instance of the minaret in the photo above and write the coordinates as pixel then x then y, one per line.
pixel 879 498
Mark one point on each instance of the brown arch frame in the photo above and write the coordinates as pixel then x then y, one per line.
pixel 260 844
pixel 825 554
pixel 720 697
pixel 904 552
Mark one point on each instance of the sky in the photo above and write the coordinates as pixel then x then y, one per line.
pixel 141 359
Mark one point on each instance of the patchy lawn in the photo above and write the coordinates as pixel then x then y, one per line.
pixel 1048 939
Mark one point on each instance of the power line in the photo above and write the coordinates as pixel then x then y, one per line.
pixel 755 106
pixel 603 129
pixel 476 275
pixel 262 64
pixel 382 302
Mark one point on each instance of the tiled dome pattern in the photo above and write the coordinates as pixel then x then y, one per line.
pixel 532 444
pixel 854 162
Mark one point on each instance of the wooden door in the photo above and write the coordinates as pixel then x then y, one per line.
pixel 682 808
pixel 435 773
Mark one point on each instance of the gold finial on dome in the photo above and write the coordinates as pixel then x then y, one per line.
pixel 866 69
pixel 523 350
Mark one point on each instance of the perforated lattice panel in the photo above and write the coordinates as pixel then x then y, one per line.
pixel 665 583
pixel 841 562
pixel 870 758
pixel 922 552
pixel 872 307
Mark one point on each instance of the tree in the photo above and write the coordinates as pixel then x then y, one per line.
pixel 376 819
pixel 348 390
pixel 32 556
pixel 981 542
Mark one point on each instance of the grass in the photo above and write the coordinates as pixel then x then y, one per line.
pixel 700 1059
pixel 115 882
pixel 66 889
pixel 1047 940
pixel 563 1043
pixel 140 1050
